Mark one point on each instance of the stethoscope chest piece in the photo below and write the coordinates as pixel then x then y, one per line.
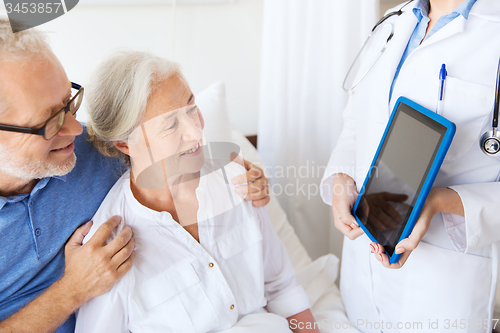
pixel 490 142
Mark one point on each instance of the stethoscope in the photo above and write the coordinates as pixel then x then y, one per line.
pixel 490 141
pixel 389 38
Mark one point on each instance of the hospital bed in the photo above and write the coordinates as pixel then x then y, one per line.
pixel 317 277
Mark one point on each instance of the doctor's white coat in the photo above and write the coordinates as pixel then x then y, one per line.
pixel 448 283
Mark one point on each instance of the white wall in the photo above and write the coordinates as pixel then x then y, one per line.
pixel 212 42
pixel 385 5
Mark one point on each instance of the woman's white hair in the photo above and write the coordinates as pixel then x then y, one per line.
pixel 117 94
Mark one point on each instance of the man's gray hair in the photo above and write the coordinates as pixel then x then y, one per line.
pixel 20 44
pixel 26 43
pixel 117 95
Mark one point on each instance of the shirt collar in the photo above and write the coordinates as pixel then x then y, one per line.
pixel 63 178
pixel 422 8
pixel 40 185
pixel 464 8
pixel 12 199
pixel 44 181
pixel 4 200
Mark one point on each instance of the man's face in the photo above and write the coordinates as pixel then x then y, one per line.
pixel 33 89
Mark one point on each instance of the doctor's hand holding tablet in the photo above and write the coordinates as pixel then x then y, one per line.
pixel 391 209
pixel 425 192
pixel 398 171
pixel 438 200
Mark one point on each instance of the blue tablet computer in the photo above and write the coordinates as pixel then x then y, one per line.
pixel 403 170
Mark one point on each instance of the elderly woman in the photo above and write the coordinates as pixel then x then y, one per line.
pixel 205 261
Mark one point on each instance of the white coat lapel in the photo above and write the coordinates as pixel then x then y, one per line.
pixel 454 27
pixel 486 10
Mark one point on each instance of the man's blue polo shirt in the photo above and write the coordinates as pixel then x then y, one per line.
pixel 35 227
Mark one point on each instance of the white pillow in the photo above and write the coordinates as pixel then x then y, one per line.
pixel 212 104
pixel 213 107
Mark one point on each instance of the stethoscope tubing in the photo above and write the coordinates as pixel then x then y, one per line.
pixel 488 135
pixel 497 99
pixel 382 20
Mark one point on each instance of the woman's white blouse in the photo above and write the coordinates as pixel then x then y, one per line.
pixel 180 285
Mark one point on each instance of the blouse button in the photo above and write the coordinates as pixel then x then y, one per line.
pixel 211 265
pixel 232 306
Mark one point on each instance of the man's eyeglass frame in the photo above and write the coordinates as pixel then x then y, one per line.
pixel 42 130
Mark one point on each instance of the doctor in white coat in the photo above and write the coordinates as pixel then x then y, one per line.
pixel 448 283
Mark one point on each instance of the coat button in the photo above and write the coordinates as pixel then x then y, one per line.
pixel 38 232
pixel 474 240
pixel 232 306
pixel 211 265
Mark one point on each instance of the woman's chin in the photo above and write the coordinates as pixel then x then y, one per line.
pixel 192 164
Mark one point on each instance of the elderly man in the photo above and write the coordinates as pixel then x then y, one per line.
pixel 46 194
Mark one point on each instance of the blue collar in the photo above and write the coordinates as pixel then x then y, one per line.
pixel 422 8
pixel 41 184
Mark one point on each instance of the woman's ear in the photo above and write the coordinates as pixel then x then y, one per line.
pixel 122 146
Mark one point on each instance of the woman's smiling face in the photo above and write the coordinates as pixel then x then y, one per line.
pixel 171 131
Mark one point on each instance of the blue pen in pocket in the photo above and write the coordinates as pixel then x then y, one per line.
pixel 442 79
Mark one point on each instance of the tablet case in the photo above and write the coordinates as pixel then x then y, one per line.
pixel 431 176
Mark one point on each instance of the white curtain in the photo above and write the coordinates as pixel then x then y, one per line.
pixel 308 46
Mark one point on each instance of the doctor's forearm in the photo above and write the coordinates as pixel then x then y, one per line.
pixel 447 201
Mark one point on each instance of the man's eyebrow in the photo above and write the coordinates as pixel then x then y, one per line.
pixel 47 113
pixel 191 98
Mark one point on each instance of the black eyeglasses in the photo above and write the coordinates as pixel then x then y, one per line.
pixel 54 123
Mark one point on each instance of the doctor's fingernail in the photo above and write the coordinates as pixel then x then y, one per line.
pixel 400 250
pixel 372 248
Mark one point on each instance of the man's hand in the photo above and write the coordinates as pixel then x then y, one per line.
pixel 344 195
pixel 93 269
pixel 253 185
pixel 439 200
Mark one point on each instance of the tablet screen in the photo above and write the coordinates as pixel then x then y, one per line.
pixel 398 174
